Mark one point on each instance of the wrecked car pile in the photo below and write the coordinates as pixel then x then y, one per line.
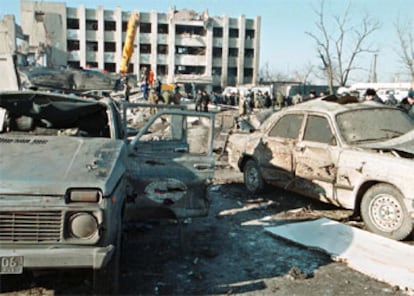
pixel 74 169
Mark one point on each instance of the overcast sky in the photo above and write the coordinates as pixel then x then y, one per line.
pixel 285 47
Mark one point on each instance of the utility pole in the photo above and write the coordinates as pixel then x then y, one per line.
pixel 373 71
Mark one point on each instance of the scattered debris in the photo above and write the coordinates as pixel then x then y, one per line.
pixel 296 274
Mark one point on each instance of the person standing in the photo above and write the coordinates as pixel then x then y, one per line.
pixel 258 100
pixel 407 104
pixel 242 105
pixel 153 99
pixel 267 100
pixel 280 100
pixel 371 95
pixel 198 100
pixel 311 96
pixel 145 89
pixel 167 96
pixel 296 99
pixel 151 78
pixel 205 100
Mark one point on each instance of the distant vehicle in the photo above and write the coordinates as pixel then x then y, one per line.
pixel 359 156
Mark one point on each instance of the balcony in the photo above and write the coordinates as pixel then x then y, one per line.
pixel 190 60
pixel 109 57
pixel 91 56
pixel 218 42
pixel 73 34
pixel 143 38
pixel 145 58
pixel 189 78
pixel 109 36
pixel 162 59
pixel 91 35
pixel 187 40
pixel 73 55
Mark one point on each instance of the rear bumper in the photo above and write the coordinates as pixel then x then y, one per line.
pixel 61 257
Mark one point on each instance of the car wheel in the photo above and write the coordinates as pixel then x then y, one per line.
pixel 253 179
pixel 106 280
pixel 383 212
pixel 23 123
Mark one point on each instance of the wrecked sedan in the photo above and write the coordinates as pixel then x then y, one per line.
pixel 357 156
pixel 69 178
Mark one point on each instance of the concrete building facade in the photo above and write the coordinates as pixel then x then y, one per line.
pixel 178 46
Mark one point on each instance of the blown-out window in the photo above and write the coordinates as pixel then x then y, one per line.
pixel 318 130
pixel 287 127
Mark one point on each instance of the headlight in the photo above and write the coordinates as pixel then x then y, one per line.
pixel 83 195
pixel 83 225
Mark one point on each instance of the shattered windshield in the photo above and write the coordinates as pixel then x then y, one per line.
pixel 372 125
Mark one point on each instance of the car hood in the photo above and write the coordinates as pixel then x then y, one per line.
pixel 50 165
pixel 404 143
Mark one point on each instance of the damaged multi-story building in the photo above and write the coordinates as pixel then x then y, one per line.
pixel 180 46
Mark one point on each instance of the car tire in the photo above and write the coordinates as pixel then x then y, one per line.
pixel 252 177
pixel 383 212
pixel 22 123
pixel 106 280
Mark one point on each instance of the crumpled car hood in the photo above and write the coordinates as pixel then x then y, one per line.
pixel 404 143
pixel 50 165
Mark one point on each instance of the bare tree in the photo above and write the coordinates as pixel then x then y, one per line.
pixel 265 72
pixel 340 45
pixel 268 74
pixel 406 50
pixel 304 75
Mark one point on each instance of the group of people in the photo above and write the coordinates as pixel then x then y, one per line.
pixel 151 88
pixel 150 85
pixel 406 104
pixel 249 100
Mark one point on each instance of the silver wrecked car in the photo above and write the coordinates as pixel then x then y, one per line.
pixel 69 178
pixel 357 156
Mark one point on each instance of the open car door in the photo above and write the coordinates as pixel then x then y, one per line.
pixel 170 165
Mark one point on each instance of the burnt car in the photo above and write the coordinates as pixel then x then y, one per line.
pixel 70 177
pixel 358 156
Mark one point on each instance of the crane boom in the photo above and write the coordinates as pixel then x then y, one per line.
pixel 128 49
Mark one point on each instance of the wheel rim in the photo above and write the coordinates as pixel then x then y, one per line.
pixel 252 179
pixel 386 212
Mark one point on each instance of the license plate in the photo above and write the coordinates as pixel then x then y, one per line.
pixel 11 265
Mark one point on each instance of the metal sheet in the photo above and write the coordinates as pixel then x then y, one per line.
pixel 378 257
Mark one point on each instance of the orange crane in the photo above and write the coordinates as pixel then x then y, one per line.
pixel 128 49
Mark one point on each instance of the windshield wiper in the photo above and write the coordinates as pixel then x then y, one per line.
pixel 369 140
pixel 398 133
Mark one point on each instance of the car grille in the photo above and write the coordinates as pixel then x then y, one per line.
pixel 31 226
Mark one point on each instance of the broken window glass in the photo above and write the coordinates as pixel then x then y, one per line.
pixel 287 127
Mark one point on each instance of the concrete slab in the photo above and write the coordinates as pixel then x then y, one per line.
pixel 9 80
pixel 376 256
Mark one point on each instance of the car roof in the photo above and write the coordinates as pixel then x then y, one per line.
pixel 328 105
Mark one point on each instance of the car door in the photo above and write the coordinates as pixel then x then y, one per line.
pixel 170 165
pixel 316 158
pixel 278 143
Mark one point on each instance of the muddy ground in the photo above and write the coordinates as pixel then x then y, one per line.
pixel 226 253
